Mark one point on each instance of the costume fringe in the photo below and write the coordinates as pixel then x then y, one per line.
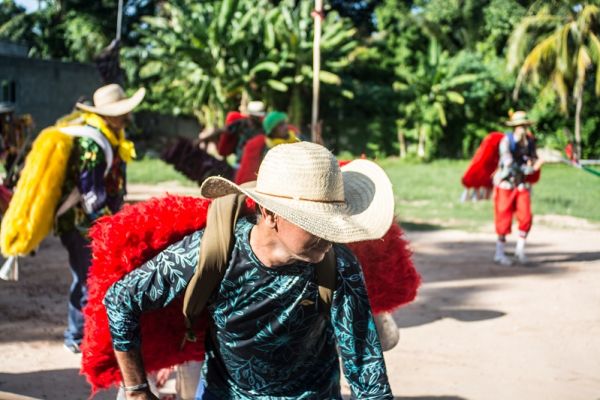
pixel 30 214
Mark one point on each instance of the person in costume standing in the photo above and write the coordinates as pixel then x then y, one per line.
pixel 269 337
pixel 512 189
pixel 94 186
pixel 239 129
pixel 276 131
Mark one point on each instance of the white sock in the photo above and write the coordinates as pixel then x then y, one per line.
pixel 500 248
pixel 520 248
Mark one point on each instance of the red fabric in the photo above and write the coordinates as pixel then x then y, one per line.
pixel 508 202
pixel 227 143
pixel 233 116
pixel 390 274
pixel 533 178
pixel 5 196
pixel 251 158
pixel 121 243
pixel 484 163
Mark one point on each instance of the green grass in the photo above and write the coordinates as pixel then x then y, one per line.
pixel 427 195
pixel 153 171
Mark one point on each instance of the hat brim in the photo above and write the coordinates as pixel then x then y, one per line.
pixel 117 108
pixel 519 123
pixel 366 214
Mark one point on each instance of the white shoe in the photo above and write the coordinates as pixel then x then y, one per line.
pixel 521 258
pixel 502 260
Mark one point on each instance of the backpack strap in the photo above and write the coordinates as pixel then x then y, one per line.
pixel 512 145
pixel 326 276
pixel 215 250
pixel 94 134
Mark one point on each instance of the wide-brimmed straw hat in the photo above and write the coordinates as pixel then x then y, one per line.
pixel 110 101
pixel 303 183
pixel 519 118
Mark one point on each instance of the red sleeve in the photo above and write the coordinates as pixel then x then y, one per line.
pixel 251 159
pixel 227 143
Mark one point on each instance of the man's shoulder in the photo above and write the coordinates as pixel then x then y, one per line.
pixel 344 256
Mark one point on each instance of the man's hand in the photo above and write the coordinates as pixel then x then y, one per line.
pixel 538 164
pixel 145 395
pixel 133 373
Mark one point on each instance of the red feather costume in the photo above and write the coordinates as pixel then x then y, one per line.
pixel 117 249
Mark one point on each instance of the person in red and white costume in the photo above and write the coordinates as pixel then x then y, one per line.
pixel 512 186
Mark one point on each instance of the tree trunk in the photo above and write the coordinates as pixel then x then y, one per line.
pixel 578 107
pixel 244 101
pixel 402 143
pixel 317 16
pixel 296 108
pixel 421 148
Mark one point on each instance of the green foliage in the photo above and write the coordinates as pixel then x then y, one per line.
pixel 555 47
pixel 208 57
pixel 70 30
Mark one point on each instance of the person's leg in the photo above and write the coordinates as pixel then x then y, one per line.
pixel 188 376
pixel 80 257
pixel 503 213
pixel 203 394
pixel 524 218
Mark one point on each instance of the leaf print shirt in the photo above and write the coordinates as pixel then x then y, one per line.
pixel 268 336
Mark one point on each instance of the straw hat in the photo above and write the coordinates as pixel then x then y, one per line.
pixel 303 183
pixel 110 101
pixel 256 108
pixel 519 118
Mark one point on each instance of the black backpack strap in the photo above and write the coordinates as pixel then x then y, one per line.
pixel 215 250
pixel 326 278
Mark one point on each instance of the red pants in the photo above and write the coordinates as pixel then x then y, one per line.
pixel 506 203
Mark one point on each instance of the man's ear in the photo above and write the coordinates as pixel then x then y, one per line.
pixel 268 217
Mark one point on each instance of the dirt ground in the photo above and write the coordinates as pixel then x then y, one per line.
pixel 476 331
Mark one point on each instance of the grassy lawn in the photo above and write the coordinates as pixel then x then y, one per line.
pixel 152 171
pixel 427 195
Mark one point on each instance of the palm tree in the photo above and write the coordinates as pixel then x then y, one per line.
pixel 429 90
pixel 558 49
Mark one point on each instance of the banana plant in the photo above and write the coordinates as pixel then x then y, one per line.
pixel 429 90
pixel 203 57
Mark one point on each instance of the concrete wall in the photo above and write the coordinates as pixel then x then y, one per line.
pixel 47 89
pixel 163 126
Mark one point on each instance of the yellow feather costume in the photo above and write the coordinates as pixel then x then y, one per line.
pixel 30 214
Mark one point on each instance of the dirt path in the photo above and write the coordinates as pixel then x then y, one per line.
pixel 477 331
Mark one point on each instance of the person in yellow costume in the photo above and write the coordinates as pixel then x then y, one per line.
pixel 94 186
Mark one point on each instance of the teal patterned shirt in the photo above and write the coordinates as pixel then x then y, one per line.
pixel 268 338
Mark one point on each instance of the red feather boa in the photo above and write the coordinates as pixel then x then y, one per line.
pixel 117 249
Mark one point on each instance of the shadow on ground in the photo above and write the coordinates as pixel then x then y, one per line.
pixel 33 384
pixel 441 263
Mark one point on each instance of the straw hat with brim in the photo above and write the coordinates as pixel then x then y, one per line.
pixel 110 101
pixel 303 183
pixel 519 118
